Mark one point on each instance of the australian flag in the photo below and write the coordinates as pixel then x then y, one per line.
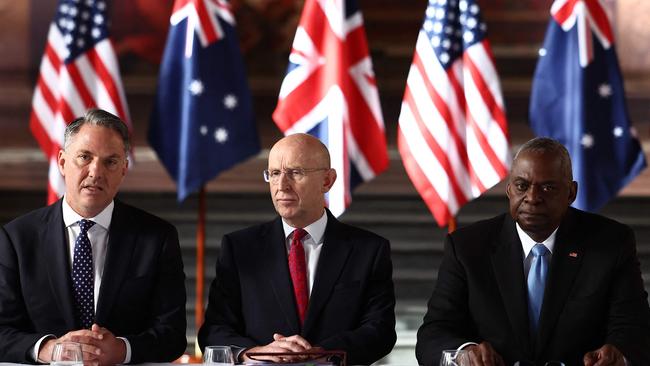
pixel 578 99
pixel 203 120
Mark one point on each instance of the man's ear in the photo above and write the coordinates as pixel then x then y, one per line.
pixel 573 192
pixel 328 181
pixel 61 162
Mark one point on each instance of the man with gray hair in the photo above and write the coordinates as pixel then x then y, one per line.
pixel 546 283
pixel 89 268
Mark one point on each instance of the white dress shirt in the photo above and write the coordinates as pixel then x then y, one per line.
pixel 312 243
pixel 527 244
pixel 98 236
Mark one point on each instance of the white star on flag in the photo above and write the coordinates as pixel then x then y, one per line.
pixel 587 141
pixel 230 101
pixel 203 130
pixel 196 87
pixel 605 90
pixel 618 131
pixel 221 135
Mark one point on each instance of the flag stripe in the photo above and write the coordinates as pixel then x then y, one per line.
pixel 453 133
pixel 64 90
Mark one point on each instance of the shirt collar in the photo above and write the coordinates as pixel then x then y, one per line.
pixel 527 242
pixel 316 229
pixel 103 219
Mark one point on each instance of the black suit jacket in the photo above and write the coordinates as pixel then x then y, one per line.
pixel 142 294
pixel 594 294
pixel 351 306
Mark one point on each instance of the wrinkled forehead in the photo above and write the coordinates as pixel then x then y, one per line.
pixel 538 167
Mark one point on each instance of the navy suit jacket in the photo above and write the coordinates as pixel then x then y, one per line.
pixel 594 294
pixel 351 306
pixel 142 294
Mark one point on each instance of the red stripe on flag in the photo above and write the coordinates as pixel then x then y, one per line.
pixel 109 83
pixel 436 205
pixel 435 148
pixel 444 111
pixel 80 85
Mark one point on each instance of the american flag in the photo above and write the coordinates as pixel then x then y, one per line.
pixel 203 121
pixel 578 98
pixel 329 91
pixel 453 133
pixel 79 70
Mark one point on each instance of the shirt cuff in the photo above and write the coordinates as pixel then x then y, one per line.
pixel 37 346
pixel 467 344
pixel 127 357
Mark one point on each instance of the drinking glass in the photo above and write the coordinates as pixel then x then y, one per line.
pixel 218 356
pixel 454 357
pixel 67 354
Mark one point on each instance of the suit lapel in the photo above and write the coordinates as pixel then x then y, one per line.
pixel 58 268
pixel 507 263
pixel 333 256
pixel 277 272
pixel 122 240
pixel 565 263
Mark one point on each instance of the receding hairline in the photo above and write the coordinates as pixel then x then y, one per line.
pixel 547 145
pixel 102 118
pixel 306 143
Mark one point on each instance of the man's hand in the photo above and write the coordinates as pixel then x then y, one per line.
pixel 84 337
pixel 607 355
pixel 484 355
pixel 113 350
pixel 99 346
pixel 280 344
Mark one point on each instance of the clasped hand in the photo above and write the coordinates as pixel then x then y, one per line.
pixel 282 344
pixel 99 346
pixel 607 355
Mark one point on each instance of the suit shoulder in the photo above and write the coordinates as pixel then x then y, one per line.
pixel 141 217
pixel 598 222
pixel 481 229
pixel 31 219
pixel 357 233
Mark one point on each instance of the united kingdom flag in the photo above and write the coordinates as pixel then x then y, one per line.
pixel 330 92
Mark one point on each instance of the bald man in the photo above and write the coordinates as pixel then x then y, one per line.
pixel 304 280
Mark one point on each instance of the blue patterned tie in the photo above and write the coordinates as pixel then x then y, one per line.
pixel 83 276
pixel 536 283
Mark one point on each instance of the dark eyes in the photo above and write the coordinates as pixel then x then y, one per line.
pixel 523 187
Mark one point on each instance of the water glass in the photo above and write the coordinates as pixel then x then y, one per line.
pixel 218 356
pixel 67 354
pixel 455 358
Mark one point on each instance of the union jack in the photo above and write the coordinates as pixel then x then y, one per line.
pixel 78 71
pixel 453 133
pixel 202 19
pixel 330 92
pixel 590 18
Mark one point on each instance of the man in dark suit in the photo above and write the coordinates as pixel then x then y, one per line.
pixel 546 283
pixel 280 291
pixel 89 268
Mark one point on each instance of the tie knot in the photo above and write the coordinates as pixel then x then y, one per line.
pixel 539 250
pixel 298 234
pixel 85 225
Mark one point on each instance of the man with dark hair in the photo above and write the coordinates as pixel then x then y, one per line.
pixel 89 268
pixel 546 283
pixel 304 280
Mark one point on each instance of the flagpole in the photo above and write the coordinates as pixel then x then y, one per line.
pixel 451 225
pixel 200 248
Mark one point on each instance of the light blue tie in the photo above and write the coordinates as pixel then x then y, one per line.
pixel 536 283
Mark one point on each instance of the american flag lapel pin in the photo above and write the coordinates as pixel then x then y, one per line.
pixel 573 254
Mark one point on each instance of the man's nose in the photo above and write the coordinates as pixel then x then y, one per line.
pixel 95 168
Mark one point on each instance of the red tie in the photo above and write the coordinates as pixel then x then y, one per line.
pixel 298 271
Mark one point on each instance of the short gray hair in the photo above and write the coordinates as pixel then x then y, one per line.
pixel 543 145
pixel 98 117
